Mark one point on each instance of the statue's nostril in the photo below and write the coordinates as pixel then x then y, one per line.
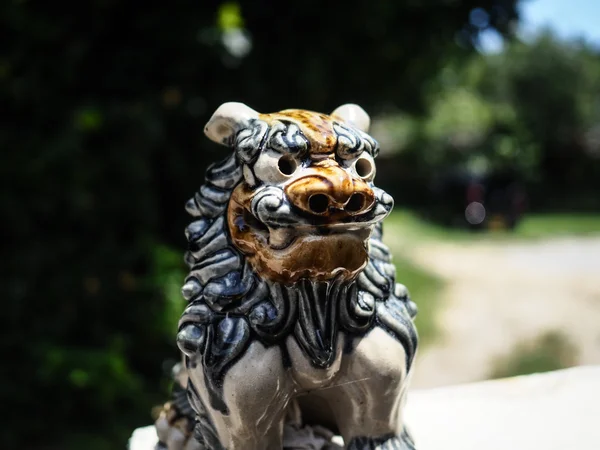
pixel 318 203
pixel 356 203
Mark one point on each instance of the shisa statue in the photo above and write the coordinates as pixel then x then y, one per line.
pixel 295 327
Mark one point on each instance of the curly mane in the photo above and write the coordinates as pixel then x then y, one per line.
pixel 230 306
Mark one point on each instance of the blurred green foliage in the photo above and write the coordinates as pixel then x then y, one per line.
pixel 551 351
pixel 406 227
pixel 102 144
pixel 425 288
pixel 533 109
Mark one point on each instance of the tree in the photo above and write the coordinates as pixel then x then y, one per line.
pixel 103 144
pixel 554 89
pixel 533 109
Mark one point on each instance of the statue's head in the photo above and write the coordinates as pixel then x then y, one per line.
pixel 306 205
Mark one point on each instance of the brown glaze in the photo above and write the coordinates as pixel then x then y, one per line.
pixel 341 190
pixel 323 189
pixel 317 127
pixel 309 255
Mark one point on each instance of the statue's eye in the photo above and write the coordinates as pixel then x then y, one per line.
pixel 272 167
pixel 363 167
pixel 287 165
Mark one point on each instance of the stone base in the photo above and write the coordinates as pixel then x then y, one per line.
pixel 306 438
pixel 551 411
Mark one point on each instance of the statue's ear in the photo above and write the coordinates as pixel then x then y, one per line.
pixel 227 120
pixel 353 115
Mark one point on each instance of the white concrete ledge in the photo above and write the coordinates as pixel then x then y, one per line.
pixel 143 439
pixel 551 411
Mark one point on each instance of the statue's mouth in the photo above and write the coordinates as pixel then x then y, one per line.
pixel 280 236
pixel 279 232
pixel 278 224
pixel 286 244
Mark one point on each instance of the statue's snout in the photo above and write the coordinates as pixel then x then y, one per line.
pixel 327 188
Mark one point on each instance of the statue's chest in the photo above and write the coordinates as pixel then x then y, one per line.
pixel 307 376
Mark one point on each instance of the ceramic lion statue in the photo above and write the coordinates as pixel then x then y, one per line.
pixel 294 316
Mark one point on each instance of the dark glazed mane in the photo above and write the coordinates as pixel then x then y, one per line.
pixel 231 306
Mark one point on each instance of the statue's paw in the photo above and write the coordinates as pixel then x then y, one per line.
pixel 175 431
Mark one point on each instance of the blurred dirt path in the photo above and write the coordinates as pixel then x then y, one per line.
pixel 501 294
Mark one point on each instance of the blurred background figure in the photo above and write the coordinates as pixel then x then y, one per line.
pixel 488 121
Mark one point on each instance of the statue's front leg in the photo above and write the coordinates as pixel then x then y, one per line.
pixel 368 398
pixel 256 391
